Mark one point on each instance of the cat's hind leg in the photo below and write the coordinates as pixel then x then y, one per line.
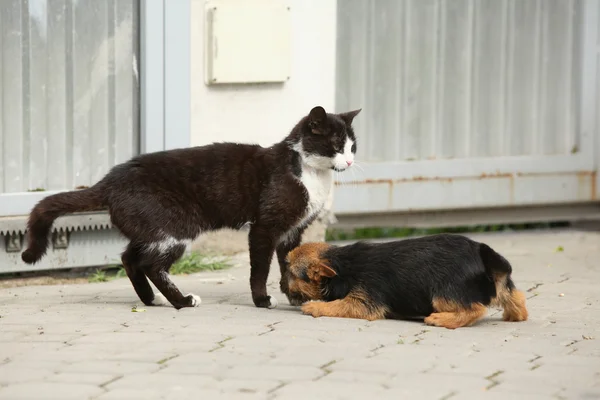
pixel 158 259
pixel 131 259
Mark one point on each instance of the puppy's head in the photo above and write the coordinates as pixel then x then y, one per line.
pixel 306 269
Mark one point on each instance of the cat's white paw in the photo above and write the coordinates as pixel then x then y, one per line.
pixel 272 302
pixel 159 299
pixel 196 300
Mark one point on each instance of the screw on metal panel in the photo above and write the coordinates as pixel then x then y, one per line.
pixel 14 242
pixel 60 240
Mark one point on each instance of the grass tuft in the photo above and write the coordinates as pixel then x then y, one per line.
pixel 195 262
pixel 98 276
pixel 383 233
pixel 188 264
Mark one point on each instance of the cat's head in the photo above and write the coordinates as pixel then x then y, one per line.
pixel 326 141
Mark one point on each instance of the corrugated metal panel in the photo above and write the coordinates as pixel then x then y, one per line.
pixel 69 92
pixel 461 78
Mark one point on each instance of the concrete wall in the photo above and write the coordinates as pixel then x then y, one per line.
pixel 265 113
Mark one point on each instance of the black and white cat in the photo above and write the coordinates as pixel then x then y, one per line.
pixel 162 201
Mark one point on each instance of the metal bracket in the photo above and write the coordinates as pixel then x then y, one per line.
pixel 14 242
pixel 60 239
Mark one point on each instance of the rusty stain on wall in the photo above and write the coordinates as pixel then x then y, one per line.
pixel 594 187
pixel 586 181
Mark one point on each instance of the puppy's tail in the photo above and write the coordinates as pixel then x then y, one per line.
pixel 507 296
pixel 48 209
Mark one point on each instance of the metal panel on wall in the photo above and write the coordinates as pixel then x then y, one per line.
pixel 69 92
pixel 468 103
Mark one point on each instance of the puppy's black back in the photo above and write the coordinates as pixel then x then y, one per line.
pixel 406 275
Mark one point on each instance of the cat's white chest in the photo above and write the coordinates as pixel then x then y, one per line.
pixel 318 185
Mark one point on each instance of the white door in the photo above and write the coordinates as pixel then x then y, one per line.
pixel 68 95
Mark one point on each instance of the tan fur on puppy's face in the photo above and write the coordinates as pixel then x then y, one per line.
pixel 306 269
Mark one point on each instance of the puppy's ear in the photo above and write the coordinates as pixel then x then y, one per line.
pixel 326 271
pixel 318 271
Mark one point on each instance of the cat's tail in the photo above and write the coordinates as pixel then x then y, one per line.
pixel 507 296
pixel 50 208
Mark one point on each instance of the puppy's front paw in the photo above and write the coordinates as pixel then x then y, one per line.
pixel 313 308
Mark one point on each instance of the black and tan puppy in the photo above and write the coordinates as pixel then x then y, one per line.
pixel 448 279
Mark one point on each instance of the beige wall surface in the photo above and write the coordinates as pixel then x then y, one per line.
pixel 265 113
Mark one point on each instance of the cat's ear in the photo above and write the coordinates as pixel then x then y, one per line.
pixel 316 120
pixel 348 117
pixel 318 271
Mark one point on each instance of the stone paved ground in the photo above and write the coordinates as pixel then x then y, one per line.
pixel 84 341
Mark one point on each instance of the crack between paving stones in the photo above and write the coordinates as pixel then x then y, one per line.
pixel 375 350
pixel 163 362
pixel 537 357
pixel 564 279
pixel 537 285
pixel 108 382
pixel 418 336
pixel 573 349
pixel 271 393
pixel 428 369
pixel 533 361
pixel 449 395
pixel 325 369
pixel 226 300
pixel 492 379
pixel 271 328
pixel 221 344
pixel 558 396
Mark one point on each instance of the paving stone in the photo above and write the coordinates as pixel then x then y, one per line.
pixel 330 390
pixel 440 384
pixel 116 367
pixel 49 390
pixel 10 374
pixel 130 394
pixel 160 382
pixel 362 376
pixel 88 378
pixel 274 372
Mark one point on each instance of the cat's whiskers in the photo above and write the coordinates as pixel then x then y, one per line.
pixel 357 165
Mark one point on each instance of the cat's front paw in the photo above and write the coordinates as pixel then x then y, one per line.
pixel 266 302
pixel 313 308
pixel 272 302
